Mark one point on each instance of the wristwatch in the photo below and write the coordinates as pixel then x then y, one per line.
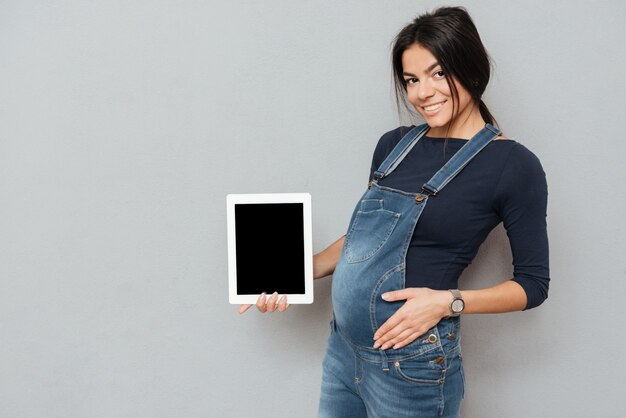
pixel 458 304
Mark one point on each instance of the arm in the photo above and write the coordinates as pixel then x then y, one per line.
pixel 325 261
pixel 521 200
pixel 324 264
pixel 507 296
pixel 424 308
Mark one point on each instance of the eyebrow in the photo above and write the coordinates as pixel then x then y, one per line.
pixel 430 68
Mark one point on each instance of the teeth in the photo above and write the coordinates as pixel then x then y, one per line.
pixel 434 107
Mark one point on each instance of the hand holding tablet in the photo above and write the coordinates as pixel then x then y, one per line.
pixel 269 250
pixel 269 303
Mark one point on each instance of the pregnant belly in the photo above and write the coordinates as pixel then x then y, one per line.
pixel 357 304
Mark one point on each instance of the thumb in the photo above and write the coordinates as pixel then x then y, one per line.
pixel 243 308
pixel 402 294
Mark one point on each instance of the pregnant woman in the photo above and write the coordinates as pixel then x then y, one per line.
pixel 436 190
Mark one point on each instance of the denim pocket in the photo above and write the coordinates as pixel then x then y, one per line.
pixel 370 230
pixel 424 370
pixel 368 205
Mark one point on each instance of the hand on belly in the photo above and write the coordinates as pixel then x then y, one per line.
pixel 423 309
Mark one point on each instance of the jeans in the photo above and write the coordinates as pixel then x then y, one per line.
pixel 425 380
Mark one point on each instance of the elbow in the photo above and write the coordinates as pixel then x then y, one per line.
pixel 536 289
pixel 539 299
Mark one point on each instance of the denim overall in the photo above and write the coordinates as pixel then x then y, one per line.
pixel 424 378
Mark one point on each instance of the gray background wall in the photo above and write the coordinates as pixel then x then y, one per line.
pixel 123 125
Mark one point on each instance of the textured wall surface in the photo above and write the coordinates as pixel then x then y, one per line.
pixel 123 125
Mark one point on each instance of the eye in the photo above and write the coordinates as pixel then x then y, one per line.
pixel 410 81
pixel 440 74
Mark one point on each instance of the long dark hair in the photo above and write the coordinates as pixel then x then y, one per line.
pixel 451 36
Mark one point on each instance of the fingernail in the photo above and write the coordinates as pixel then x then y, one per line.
pixel 275 294
pixel 384 296
pixel 376 344
pixel 395 346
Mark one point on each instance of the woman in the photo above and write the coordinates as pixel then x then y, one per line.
pixel 436 191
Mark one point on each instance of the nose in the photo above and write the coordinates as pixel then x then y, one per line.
pixel 425 90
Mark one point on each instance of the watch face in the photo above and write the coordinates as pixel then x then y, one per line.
pixel 458 305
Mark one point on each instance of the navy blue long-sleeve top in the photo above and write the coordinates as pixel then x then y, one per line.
pixel 505 183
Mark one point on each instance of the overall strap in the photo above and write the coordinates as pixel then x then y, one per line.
pixel 460 159
pixel 398 153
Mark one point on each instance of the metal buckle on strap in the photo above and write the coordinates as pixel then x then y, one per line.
pixel 378 175
pixel 428 191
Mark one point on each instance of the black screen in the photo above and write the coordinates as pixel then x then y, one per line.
pixel 270 248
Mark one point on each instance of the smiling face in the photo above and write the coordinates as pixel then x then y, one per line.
pixel 428 91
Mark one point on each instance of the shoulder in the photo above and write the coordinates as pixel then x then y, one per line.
pixel 388 141
pixel 511 157
pixel 522 176
pixel 391 138
pixel 521 160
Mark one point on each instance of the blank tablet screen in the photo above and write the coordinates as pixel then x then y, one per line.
pixel 270 248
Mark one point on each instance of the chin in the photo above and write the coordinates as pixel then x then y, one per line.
pixel 436 122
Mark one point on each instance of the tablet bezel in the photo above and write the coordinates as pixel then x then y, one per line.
pixel 305 199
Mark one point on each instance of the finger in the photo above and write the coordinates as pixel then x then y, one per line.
pixel 282 303
pixel 271 302
pixel 407 341
pixel 389 324
pixel 244 308
pixel 394 295
pixel 398 338
pixel 260 303
pixel 386 340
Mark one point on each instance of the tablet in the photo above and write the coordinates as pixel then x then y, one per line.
pixel 269 246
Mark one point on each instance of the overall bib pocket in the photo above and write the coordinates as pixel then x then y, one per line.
pixel 370 230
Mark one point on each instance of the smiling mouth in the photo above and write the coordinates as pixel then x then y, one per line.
pixel 433 107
